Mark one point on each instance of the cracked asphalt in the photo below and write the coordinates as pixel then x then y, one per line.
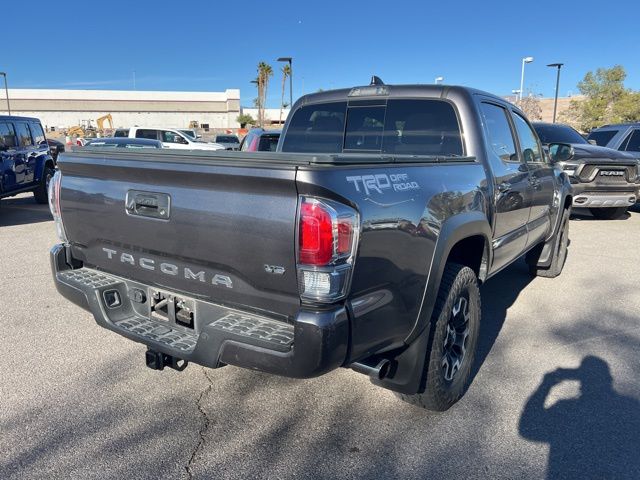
pixel 555 395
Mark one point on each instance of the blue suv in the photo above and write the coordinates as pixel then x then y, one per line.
pixel 26 164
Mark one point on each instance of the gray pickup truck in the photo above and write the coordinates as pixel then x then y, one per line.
pixel 360 243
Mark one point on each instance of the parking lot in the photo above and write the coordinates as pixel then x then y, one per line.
pixel 78 402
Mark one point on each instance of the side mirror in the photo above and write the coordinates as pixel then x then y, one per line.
pixel 560 152
pixel 592 142
pixel 182 140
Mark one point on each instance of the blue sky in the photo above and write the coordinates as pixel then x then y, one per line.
pixel 199 45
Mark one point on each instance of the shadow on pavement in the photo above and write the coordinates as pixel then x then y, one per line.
pixel 584 214
pixel 22 210
pixel 594 435
pixel 498 295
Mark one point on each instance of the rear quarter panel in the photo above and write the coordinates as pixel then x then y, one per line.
pixel 402 209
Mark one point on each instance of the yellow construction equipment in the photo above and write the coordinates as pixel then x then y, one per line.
pixel 100 121
pixel 77 130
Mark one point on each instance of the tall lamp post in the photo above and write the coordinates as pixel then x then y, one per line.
pixel 6 90
pixel 290 61
pixel 555 101
pixel 524 60
pixel 439 80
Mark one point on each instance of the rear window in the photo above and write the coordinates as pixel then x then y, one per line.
pixel 227 139
pixel 404 127
pixel 316 129
pixel 602 137
pixel 268 143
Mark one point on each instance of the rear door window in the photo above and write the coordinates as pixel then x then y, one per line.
pixel 7 136
pixel 121 133
pixel 268 143
pixel 146 133
pixel 24 134
pixel 602 137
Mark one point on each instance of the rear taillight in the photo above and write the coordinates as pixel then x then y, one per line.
pixel 54 205
pixel 327 241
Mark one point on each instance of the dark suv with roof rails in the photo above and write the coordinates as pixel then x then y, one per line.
pixel 26 164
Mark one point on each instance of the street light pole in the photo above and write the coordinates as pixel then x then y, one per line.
pixel 6 89
pixel 439 80
pixel 555 101
pixel 290 61
pixel 524 60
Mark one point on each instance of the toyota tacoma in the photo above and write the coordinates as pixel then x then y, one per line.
pixel 359 243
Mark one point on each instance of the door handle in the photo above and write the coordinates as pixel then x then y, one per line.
pixel 504 187
pixel 148 204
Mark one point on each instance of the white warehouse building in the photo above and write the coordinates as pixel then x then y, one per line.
pixel 61 109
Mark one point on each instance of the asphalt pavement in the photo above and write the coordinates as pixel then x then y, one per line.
pixel 555 394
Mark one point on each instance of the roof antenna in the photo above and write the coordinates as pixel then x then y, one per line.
pixel 376 81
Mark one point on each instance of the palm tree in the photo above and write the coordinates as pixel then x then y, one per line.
pixel 264 73
pixel 286 71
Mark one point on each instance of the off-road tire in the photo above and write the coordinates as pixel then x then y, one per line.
pixel 40 194
pixel 438 393
pixel 608 213
pixel 560 242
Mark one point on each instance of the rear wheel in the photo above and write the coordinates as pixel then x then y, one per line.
pixel 609 213
pixel 41 193
pixel 560 246
pixel 447 369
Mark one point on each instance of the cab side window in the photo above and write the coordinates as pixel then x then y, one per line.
pixel 632 142
pixel 38 133
pixel 146 133
pixel 24 134
pixel 171 137
pixel 529 145
pixel 7 136
pixel 499 132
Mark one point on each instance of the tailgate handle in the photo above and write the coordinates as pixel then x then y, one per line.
pixel 148 204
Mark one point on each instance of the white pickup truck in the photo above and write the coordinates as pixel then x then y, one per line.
pixel 170 138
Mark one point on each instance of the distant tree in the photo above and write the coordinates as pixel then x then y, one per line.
pixel 245 119
pixel 286 71
pixel 606 100
pixel 265 72
pixel 530 105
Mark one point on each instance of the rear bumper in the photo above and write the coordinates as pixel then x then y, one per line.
pixel 314 344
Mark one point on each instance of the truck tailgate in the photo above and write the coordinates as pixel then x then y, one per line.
pixel 217 231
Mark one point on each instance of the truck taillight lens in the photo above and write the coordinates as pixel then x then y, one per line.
pixel 327 240
pixel 54 205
